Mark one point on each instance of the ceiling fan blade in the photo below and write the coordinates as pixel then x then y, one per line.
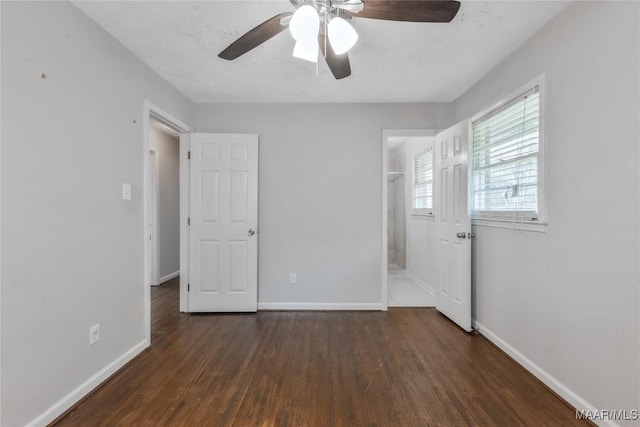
pixel 255 37
pixel 338 64
pixel 410 10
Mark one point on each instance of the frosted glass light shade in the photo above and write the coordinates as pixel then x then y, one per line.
pixel 306 50
pixel 342 36
pixel 304 27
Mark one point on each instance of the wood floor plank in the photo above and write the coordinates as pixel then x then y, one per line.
pixel 404 367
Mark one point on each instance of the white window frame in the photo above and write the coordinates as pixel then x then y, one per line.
pixel 422 211
pixel 498 219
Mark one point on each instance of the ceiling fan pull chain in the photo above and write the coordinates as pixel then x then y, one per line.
pixel 325 36
pixel 324 52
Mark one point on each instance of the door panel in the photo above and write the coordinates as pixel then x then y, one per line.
pixel 444 195
pixel 209 265
pixel 453 298
pixel 239 194
pixel 444 273
pixel 238 260
pixel 458 189
pixel 224 216
pixel 209 196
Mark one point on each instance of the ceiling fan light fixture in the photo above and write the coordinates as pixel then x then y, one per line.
pixel 306 50
pixel 304 25
pixel 304 28
pixel 342 35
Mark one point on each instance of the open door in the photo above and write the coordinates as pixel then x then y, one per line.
pixel 223 248
pixel 453 225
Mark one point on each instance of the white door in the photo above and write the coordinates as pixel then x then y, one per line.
pixel 223 248
pixel 453 225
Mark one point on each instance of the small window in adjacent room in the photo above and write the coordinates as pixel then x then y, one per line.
pixel 423 183
pixel 505 160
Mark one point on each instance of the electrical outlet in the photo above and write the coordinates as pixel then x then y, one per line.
pixel 94 334
pixel 292 278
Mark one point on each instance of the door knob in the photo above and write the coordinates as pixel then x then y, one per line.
pixel 252 232
pixel 461 235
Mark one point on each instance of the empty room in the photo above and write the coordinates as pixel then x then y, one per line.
pixel 320 213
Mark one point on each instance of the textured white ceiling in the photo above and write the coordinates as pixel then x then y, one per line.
pixel 392 61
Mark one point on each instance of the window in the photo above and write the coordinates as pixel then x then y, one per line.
pixel 505 160
pixel 423 183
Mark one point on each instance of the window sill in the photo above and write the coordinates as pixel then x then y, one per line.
pixel 537 226
pixel 422 217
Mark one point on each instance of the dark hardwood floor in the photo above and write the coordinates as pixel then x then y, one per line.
pixel 405 367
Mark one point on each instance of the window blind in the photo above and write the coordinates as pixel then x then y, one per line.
pixel 423 183
pixel 504 160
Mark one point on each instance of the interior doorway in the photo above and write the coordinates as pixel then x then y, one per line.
pixel 164 202
pixel 165 194
pixel 152 225
pixel 408 229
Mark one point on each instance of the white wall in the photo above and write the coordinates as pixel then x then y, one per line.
pixel 72 250
pixel 568 299
pixel 319 193
pixel 168 201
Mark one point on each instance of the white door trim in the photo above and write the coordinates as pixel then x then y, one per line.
pixel 185 191
pixel 386 134
pixel 151 110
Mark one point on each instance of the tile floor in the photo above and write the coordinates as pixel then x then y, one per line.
pixel 403 291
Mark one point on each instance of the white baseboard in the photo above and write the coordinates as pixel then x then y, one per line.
pixel 330 306
pixel 562 390
pixel 168 277
pixel 420 283
pixel 83 389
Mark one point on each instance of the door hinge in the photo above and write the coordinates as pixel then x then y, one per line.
pixel 189 155
pixel 189 221
pixel 188 287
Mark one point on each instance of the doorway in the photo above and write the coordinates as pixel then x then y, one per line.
pixel 396 219
pixel 165 194
pixel 164 202
pixel 408 233
pixel 153 214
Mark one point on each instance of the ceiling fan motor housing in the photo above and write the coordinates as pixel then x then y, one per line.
pixel 331 7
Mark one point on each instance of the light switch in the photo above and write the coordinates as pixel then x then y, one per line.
pixel 126 191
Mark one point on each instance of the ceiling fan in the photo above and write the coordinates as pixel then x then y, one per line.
pixel 322 25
